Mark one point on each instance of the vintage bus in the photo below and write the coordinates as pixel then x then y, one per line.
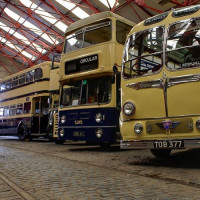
pixel 53 102
pixel 90 96
pixel 161 83
pixel 24 102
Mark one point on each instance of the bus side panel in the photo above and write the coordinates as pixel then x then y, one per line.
pixel 81 124
pixel 10 126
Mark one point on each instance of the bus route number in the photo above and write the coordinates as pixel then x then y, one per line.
pixel 169 144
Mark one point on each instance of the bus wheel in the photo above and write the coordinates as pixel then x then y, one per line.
pixel 22 133
pixel 59 141
pixel 105 145
pixel 161 153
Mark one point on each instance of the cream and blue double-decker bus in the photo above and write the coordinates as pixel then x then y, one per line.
pixel 161 83
pixel 25 102
pixel 90 93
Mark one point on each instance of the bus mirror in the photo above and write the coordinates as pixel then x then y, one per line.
pixel 115 69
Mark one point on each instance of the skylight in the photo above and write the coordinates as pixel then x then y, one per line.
pixel 44 14
pixel 80 13
pixel 111 2
pixel 15 47
pixel 21 37
pixel 30 26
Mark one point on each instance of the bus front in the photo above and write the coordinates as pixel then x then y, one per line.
pixel 89 107
pixel 161 83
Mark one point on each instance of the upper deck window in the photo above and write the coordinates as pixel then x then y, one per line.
pixel 15 81
pixel 122 31
pixel 8 84
pixel 29 76
pixel 183 44
pixel 143 53
pixel 88 36
pixel 22 79
pixel 38 74
pixel 3 86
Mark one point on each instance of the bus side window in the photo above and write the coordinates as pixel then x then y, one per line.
pixel 22 79
pixel 37 107
pixel 13 110
pixel 1 111
pixel 27 107
pixel 15 81
pixel 38 74
pixel 45 106
pixel 19 109
pixel 6 111
pixel 8 84
pixel 122 30
pixel 3 86
pixel 29 76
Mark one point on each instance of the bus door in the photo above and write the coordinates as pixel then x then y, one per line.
pixel 40 114
pixel 183 62
pixel 143 73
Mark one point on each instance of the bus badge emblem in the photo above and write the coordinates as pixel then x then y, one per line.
pixel 167 124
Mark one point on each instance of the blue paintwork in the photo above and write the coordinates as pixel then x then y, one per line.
pixel 83 121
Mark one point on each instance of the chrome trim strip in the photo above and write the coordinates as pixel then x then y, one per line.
pixel 157 118
pixel 87 126
pixel 160 83
pixel 183 79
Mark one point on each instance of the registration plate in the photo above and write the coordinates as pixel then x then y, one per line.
pixel 174 144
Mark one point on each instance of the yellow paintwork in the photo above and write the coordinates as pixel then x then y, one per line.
pixel 182 99
pixel 109 54
pixel 33 90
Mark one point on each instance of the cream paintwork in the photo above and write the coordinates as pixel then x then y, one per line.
pixel 182 99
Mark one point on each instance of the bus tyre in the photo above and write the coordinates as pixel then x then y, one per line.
pixel 105 145
pixel 59 141
pixel 161 153
pixel 22 133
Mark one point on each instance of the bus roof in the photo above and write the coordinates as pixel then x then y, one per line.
pixel 170 17
pixel 26 70
pixel 94 18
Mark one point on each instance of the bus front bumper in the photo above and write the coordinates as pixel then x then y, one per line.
pixel 160 144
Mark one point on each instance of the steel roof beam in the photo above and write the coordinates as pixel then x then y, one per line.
pixel 21 57
pixel 33 18
pixel 66 19
pixel 18 42
pixel 23 28
pixel 94 9
pixel 11 58
pixel 5 68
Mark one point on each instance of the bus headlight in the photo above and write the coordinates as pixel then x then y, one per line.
pixel 198 124
pixel 62 132
pixel 98 117
pixel 129 108
pixel 138 128
pixel 99 133
pixel 63 119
